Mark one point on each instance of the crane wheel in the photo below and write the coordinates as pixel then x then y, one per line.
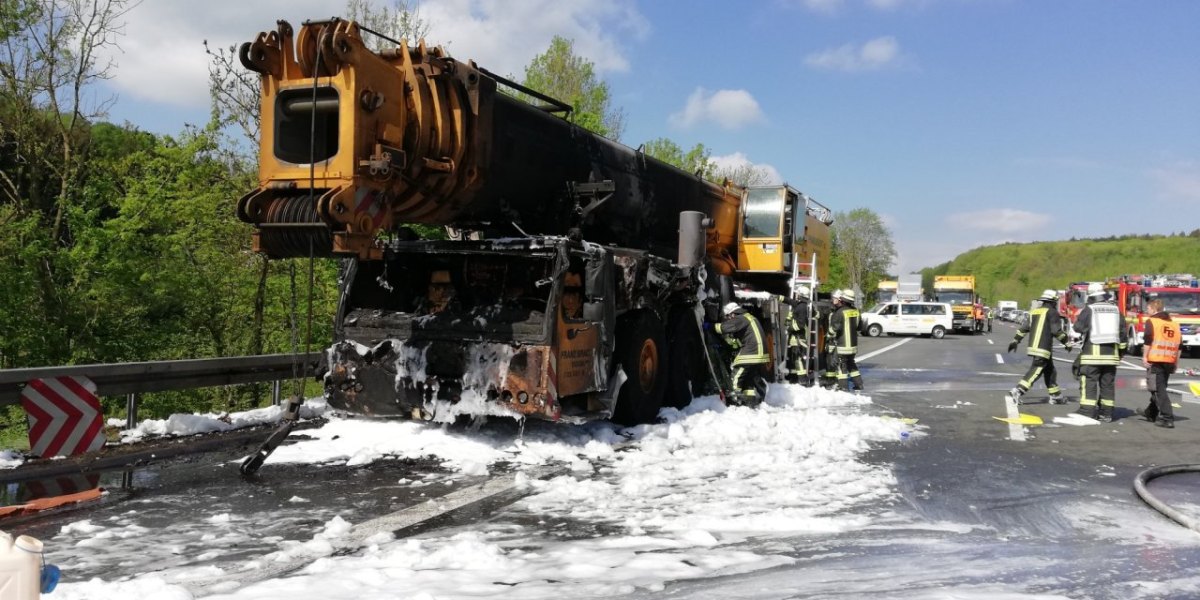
pixel 641 353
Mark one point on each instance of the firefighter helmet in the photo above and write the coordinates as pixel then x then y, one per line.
pixel 1095 289
pixel 1048 296
pixel 730 308
pixel 803 292
pixel 848 296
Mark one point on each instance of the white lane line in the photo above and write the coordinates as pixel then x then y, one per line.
pixel 1016 432
pixel 999 359
pixel 990 341
pixel 885 349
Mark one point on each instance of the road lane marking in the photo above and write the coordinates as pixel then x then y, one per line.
pixel 999 359
pixel 1015 431
pixel 990 341
pixel 885 349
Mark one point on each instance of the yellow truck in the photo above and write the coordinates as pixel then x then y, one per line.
pixel 959 291
pixel 886 291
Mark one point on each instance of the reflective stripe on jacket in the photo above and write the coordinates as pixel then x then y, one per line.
pixel 1162 341
pixel 1094 351
pixel 843 325
pixel 1045 325
pixel 745 329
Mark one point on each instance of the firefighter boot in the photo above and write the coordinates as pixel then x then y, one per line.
pixel 1058 398
pixel 1014 395
pixel 1105 414
pixel 1150 413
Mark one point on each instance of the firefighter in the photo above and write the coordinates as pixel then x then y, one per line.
pixel 1160 358
pixel 843 334
pixel 798 337
pixel 827 356
pixel 745 334
pixel 1100 325
pixel 1046 326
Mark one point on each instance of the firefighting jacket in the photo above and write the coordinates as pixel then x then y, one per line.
pixel 798 324
pixel 843 328
pixel 1046 326
pixel 743 332
pixel 1097 350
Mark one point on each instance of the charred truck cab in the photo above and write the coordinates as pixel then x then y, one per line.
pixel 580 270
pixel 529 330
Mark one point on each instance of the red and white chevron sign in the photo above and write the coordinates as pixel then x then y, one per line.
pixel 64 416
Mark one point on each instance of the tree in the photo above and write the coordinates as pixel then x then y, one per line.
pixel 695 160
pixel 743 174
pixel 561 74
pixel 49 58
pixel 401 21
pixel 864 246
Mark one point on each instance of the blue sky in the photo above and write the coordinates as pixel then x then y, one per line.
pixel 961 122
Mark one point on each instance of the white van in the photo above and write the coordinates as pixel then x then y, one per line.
pixel 921 318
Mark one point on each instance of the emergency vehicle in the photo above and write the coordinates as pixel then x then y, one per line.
pixel 1129 296
pixel 1180 295
pixel 1070 302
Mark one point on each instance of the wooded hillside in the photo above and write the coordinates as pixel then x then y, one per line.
pixel 1021 271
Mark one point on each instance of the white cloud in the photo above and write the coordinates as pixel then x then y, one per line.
pixel 503 35
pixel 161 56
pixel 830 7
pixel 890 5
pixel 1179 181
pixel 1004 220
pixel 738 160
pixel 827 7
pixel 730 109
pixel 875 54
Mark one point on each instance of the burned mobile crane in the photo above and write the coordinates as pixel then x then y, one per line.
pixel 577 266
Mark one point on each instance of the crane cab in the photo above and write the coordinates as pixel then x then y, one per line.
pixel 780 225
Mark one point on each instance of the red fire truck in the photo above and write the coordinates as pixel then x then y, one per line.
pixel 1179 293
pixel 1070 302
pixel 1129 296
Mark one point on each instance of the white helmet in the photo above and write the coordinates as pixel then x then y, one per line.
pixel 1048 296
pixel 836 295
pixel 1095 289
pixel 803 292
pixel 848 296
pixel 729 308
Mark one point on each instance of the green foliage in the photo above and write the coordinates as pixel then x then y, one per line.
pixel 695 160
pixel 1021 271
pixel 157 268
pixel 863 250
pixel 561 74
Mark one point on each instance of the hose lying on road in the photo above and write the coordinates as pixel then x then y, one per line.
pixel 1139 486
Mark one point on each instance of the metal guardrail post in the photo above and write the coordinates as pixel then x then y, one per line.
pixel 131 406
pixel 276 387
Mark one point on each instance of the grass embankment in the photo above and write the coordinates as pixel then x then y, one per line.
pixel 1021 271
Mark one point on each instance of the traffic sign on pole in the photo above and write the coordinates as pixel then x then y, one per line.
pixel 64 416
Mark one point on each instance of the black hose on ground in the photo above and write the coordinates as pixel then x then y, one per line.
pixel 1143 478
